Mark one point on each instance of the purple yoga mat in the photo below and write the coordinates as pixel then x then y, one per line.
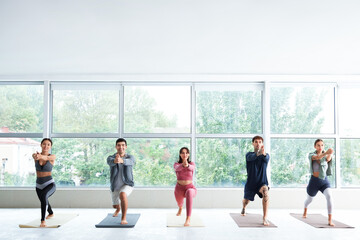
pixel 250 220
pixel 319 221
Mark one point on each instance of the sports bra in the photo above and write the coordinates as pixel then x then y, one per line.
pixel 47 167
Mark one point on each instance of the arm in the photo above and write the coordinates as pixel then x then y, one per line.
pixel 250 156
pixel 327 154
pixel 265 158
pixel 191 166
pixel 50 158
pixel 178 166
pixel 110 160
pixel 129 160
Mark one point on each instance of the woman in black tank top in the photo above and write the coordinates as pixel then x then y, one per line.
pixel 45 185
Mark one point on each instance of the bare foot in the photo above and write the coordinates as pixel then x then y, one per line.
pixel 265 221
pixel 330 221
pixel 179 211
pixel 243 212
pixel 123 221
pixel 42 224
pixel 305 213
pixel 187 222
pixel 49 216
pixel 116 213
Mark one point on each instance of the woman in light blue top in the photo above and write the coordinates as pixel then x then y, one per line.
pixel 320 168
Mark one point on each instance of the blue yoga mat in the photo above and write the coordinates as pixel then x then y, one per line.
pixel 114 222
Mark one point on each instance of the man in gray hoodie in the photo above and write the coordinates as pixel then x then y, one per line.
pixel 121 178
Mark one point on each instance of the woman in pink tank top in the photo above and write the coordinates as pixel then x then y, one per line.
pixel 184 188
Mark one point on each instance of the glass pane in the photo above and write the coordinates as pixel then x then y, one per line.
pixel 85 111
pixel 349 114
pixel 21 108
pixel 155 159
pixel 221 162
pixel 228 112
pixel 157 109
pixel 17 164
pixel 82 161
pixel 290 165
pixel 350 162
pixel 302 110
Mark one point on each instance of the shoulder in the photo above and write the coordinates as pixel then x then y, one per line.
pixel 312 154
pixel 192 163
pixel 249 153
pixel 128 156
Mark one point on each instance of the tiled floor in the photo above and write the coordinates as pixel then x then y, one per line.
pixel 152 225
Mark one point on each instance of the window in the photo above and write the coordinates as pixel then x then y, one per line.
pixel 85 109
pixel 155 159
pixel 302 110
pixel 290 165
pixel 21 108
pixel 350 162
pixel 221 162
pixel 17 164
pixel 157 109
pixel 349 114
pixel 82 161
pixel 228 111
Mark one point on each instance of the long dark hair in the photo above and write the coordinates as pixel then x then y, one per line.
pixel 317 140
pixel 187 149
pixel 46 139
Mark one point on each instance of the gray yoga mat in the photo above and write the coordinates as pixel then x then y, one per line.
pixel 114 222
pixel 250 220
pixel 319 221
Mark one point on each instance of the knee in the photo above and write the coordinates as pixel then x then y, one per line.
pixel 265 192
pixel 190 193
pixel 123 196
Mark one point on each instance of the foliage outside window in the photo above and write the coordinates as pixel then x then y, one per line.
pixel 228 112
pixel 21 108
pixel 85 111
pixel 350 162
pixel 221 162
pixel 157 109
pixel 302 110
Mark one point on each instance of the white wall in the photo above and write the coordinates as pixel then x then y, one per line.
pixel 47 38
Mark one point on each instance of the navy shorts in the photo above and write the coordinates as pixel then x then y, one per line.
pixel 250 195
pixel 317 184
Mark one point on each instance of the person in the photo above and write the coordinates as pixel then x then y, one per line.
pixel 45 185
pixel 320 168
pixel 257 182
pixel 121 178
pixel 184 188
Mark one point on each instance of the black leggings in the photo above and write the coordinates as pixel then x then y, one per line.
pixel 43 195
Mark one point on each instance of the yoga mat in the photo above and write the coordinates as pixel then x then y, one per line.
pixel 250 220
pixel 319 221
pixel 114 222
pixel 56 221
pixel 178 221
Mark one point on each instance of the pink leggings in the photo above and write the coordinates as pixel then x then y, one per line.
pixel 185 191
